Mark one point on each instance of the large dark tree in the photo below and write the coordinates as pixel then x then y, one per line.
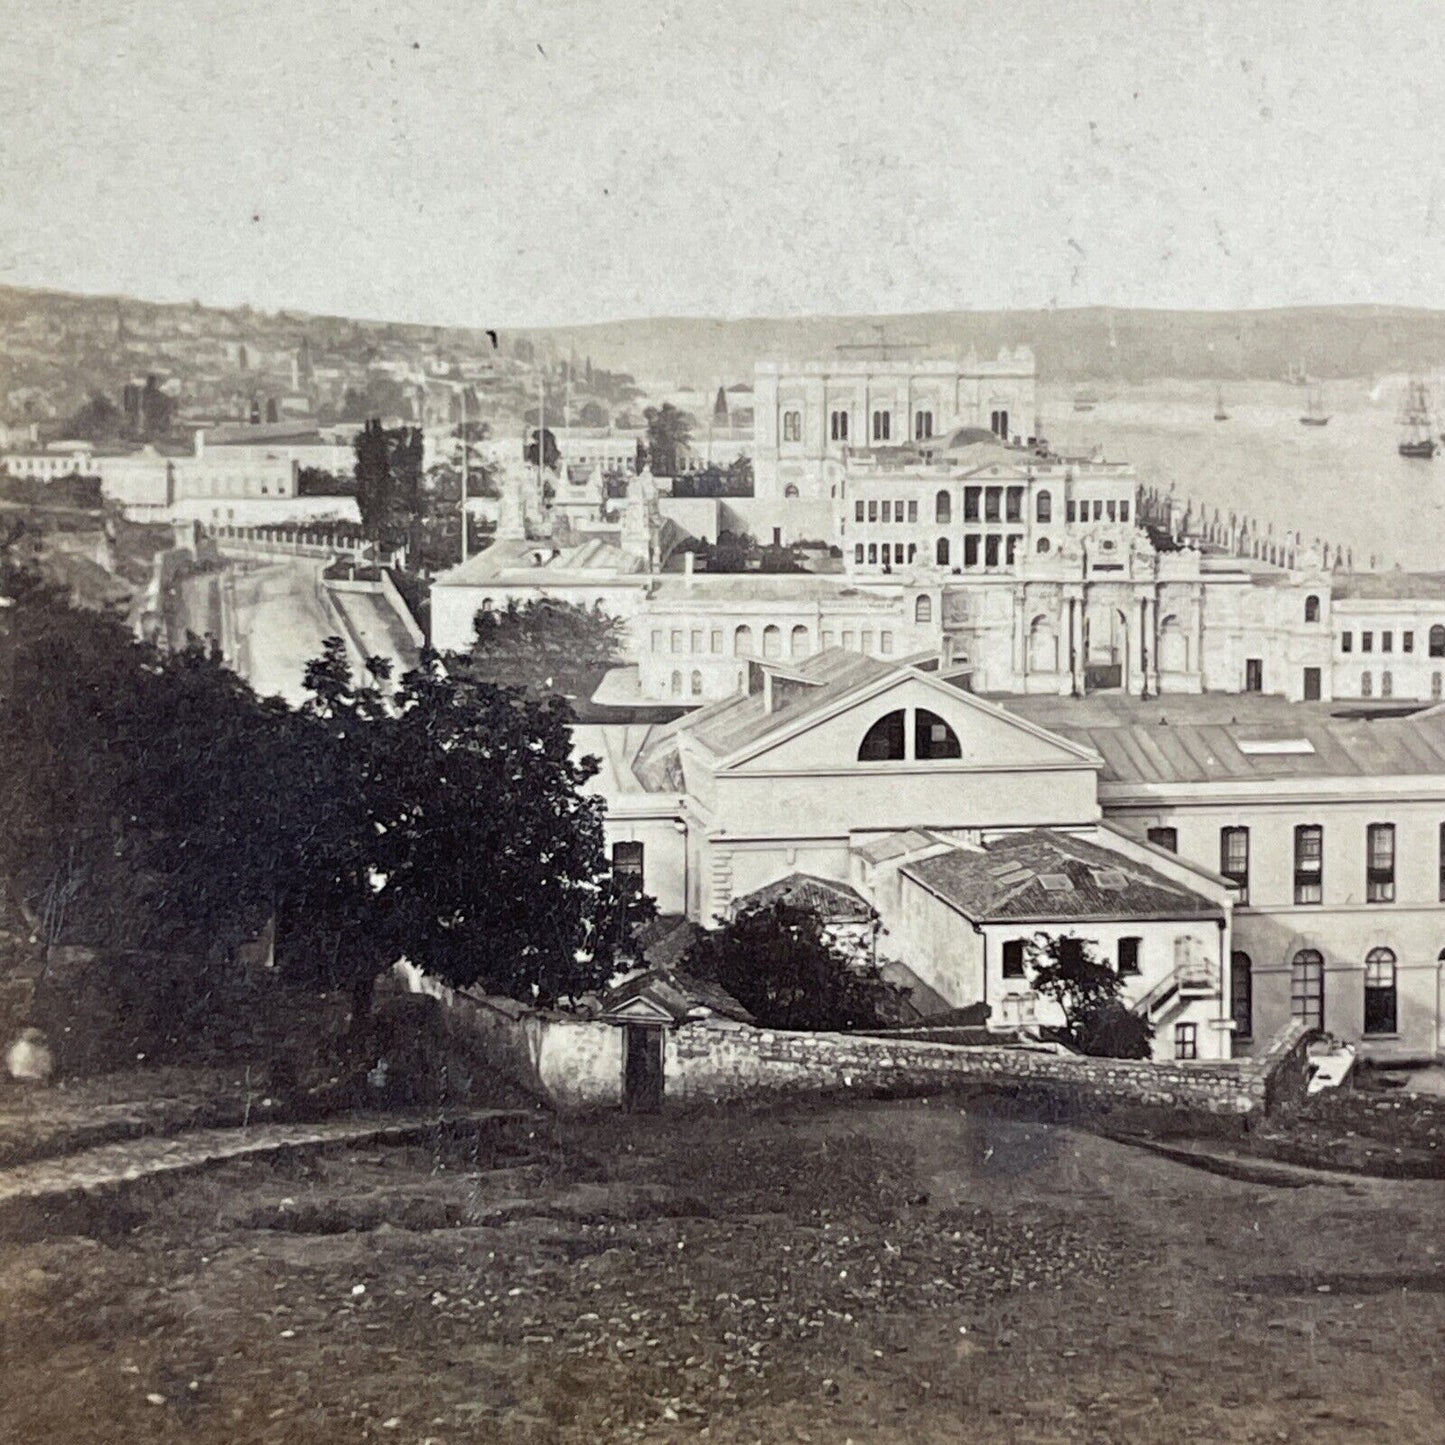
pixel 668 433
pixel 544 646
pixel 778 961
pixel 98 420
pixel 1090 994
pixel 389 487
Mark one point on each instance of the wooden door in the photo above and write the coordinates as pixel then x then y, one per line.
pixel 642 1069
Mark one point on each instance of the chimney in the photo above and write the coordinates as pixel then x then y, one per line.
pixel 687 566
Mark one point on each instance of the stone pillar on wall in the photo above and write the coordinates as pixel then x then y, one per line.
pixel 1021 638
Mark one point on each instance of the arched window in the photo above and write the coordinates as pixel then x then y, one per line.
pixel 1241 994
pixel 1435 688
pixel 943 509
pixel 743 642
pixel 1367 685
pixel 923 609
pixel 1042 545
pixel 940 552
pixel 1043 645
pixel 1380 991
pixel 932 737
pixel 1312 609
pixel 1437 641
pixel 790 490
pixel 772 641
pixel 1173 646
pixel 798 642
pixel 1307 987
pixel 1044 508
pixel 677 684
pixel 792 426
pixel 697 684
pixel 488 604
pixel 883 742
pixel 1387 684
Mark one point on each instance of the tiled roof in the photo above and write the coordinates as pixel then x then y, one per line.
pixel 724 727
pixel 677 994
pixel 1046 876
pixel 1220 739
pixel 832 901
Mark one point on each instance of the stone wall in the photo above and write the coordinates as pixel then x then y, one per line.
pixel 712 1060
pixel 577 1063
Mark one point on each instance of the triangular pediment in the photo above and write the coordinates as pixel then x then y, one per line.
pixel 988 736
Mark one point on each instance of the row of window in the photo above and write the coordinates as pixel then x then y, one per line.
pixel 839 424
pixel 1387 641
pixel 798 638
pixel 890 511
pixel 994 551
pixel 1309 860
pixel 1015 951
pixel 1307 991
pixel 1102 510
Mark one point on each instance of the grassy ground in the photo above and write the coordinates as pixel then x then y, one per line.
pixel 904 1271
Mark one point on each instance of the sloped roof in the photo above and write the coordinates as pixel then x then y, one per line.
pixel 732 723
pixel 512 561
pixel 1224 739
pixel 832 901
pixel 1389 586
pixel 679 995
pixel 1047 876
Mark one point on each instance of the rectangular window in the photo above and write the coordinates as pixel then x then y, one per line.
pixel 1128 957
pixel 885 643
pixel 1073 512
pixel 1407 642
pixel 1442 862
pixel 970 503
pixel 1307 988
pixel 913 511
pixel 1234 858
pixel 850 640
pixel 676 640
pixel 1113 510
pixel 829 638
pixel 882 425
pixel 970 551
pixel 627 861
pixel 1309 863
pixel 1011 549
pixel 872 553
pixel 857 552
pixel 865 641
pixel 991 499
pixel 1387 642
pixel 1013 510
pixel 990 551
pixel 1380 863
pixel 657 642
pixel 1241 995
pixel 716 642
pixel 887 512
pixel 1123 511
pixel 1166 838
pixel 1367 642
pixel 1186 1042
pixel 858 510
pixel 1347 642
pixel 1013 958
pixel 697 641
pixel 1098 510
pixel 1380 996
pixel 872 511
pixel 839 426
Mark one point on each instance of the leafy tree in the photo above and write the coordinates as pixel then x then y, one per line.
pixel 157 410
pixel 551 453
pixel 389 489
pixel 98 421
pixel 778 961
pixel 318 482
pixel 593 414
pixel 544 646
pixel 1066 970
pixel 720 408
pixel 668 433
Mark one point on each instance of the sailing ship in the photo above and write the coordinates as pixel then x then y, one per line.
pixel 1418 421
pixel 1316 415
pixel 1296 375
pixel 1219 412
pixel 1085 399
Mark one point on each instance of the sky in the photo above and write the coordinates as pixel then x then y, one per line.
pixel 494 163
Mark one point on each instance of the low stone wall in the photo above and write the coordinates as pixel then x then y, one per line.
pixel 577 1063
pixel 709 1060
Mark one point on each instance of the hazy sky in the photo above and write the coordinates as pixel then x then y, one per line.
pixel 494 163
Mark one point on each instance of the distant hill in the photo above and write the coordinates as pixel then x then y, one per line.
pixel 1094 344
pixel 56 345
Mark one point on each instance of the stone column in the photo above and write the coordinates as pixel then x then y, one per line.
pixel 1021 637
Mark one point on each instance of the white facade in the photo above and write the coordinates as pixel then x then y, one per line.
pixel 806 418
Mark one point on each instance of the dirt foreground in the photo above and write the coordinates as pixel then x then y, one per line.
pixel 892 1272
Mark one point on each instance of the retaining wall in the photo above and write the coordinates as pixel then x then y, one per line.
pixel 575 1062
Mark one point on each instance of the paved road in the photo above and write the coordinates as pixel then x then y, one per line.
pixel 279 625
